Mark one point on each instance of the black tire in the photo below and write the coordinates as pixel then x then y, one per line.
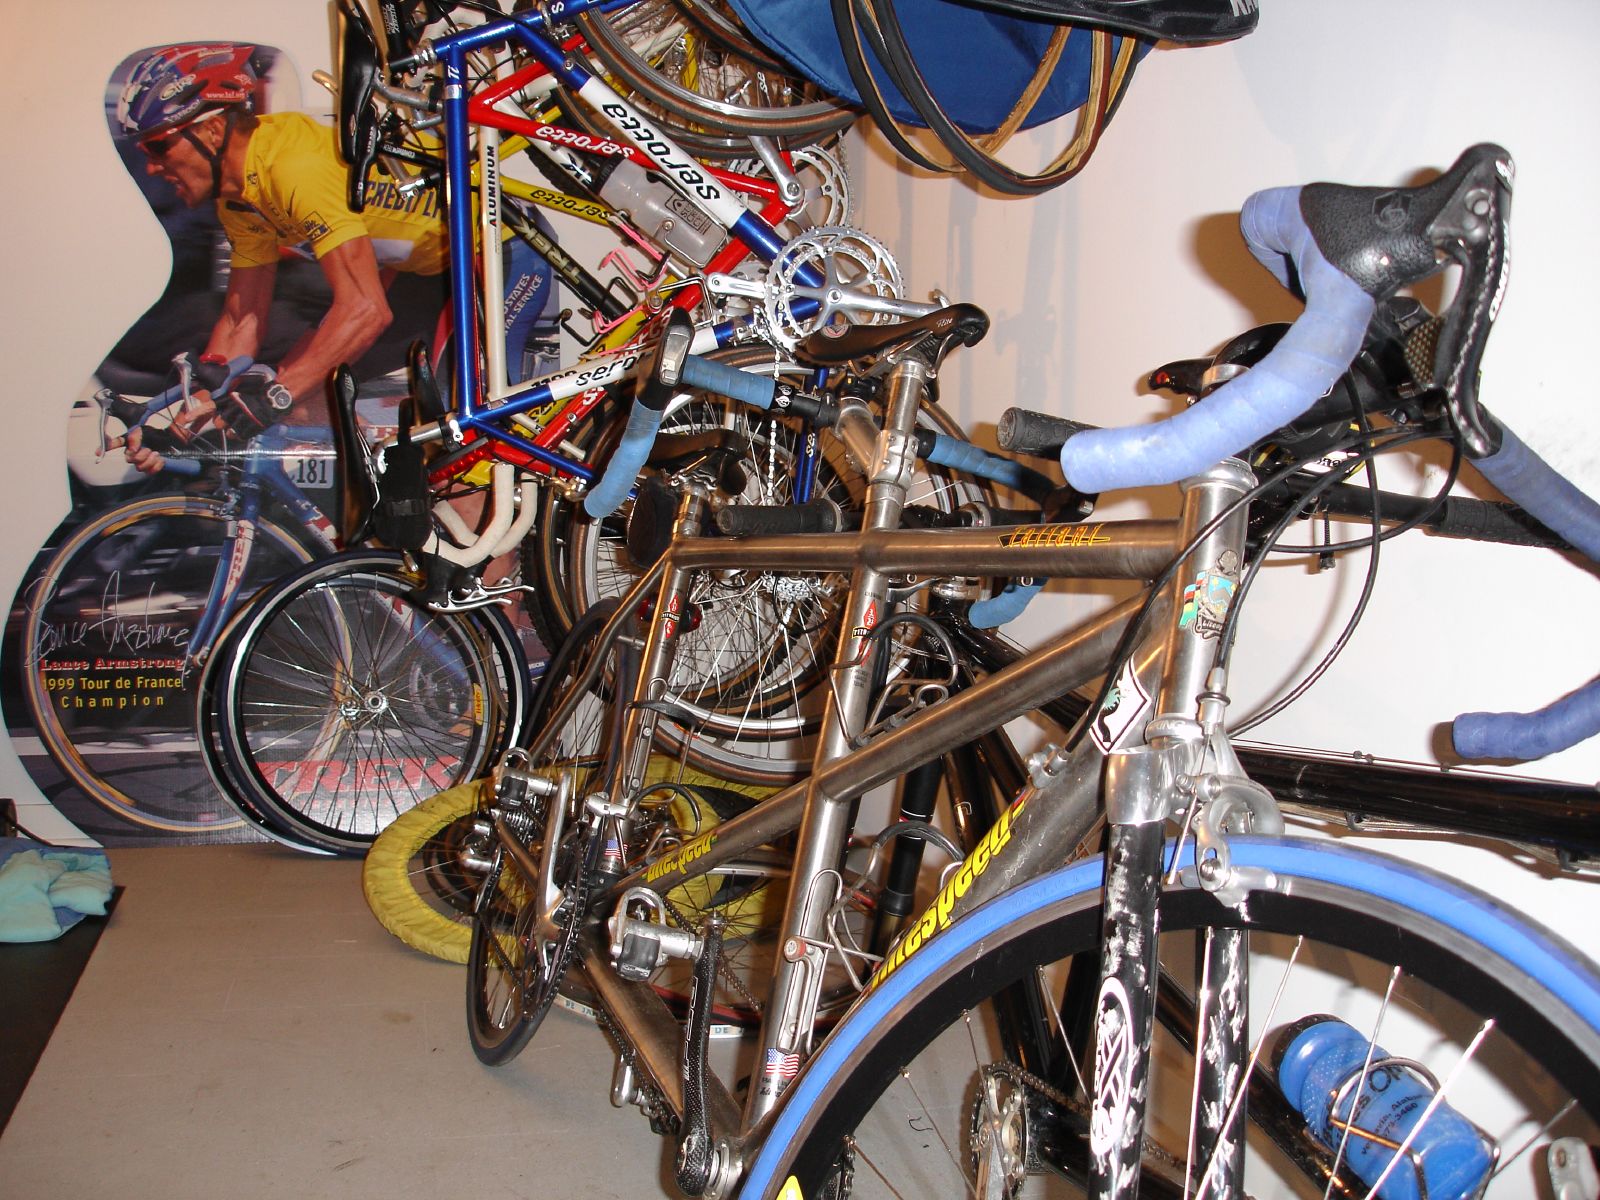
pixel 345 701
pixel 1463 957
pixel 133 583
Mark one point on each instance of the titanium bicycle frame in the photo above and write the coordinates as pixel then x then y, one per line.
pixel 1042 826
pixel 1056 809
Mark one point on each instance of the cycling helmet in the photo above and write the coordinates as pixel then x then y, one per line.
pixel 178 85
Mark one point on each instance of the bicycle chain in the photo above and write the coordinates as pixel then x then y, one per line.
pixel 724 968
pixel 1078 1108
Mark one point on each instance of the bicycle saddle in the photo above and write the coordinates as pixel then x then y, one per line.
pixel 934 336
pixel 358 116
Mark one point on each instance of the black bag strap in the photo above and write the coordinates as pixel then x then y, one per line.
pixel 1187 22
pixel 875 25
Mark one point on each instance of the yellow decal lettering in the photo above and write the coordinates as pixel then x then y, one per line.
pixel 940 912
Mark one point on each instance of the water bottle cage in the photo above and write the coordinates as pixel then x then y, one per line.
pixel 1350 1086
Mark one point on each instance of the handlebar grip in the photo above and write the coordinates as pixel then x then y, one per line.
pixel 944 451
pixel 614 484
pixel 1023 431
pixel 165 443
pixel 160 439
pixel 1561 506
pixel 755 520
pixel 1487 521
pixel 1005 605
pixel 744 386
pixel 1315 351
pixel 1530 482
pixel 1526 736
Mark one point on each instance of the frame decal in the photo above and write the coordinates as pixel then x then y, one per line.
pixel 1030 536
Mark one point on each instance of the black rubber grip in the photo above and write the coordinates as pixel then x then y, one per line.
pixel 1022 431
pixel 759 520
pixel 1457 517
pixel 129 412
pixel 1483 521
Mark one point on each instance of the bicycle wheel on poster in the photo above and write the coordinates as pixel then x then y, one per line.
pixel 107 657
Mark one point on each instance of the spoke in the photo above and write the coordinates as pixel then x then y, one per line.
pixel 1532 1138
pixel 853 1148
pixel 1199 1028
pixel 1361 1083
pixel 1066 1042
pixel 934 1125
pixel 1433 1104
pixel 1255 1055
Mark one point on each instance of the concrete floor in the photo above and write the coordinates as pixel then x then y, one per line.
pixel 246 1029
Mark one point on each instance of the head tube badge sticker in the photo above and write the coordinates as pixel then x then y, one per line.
pixel 1206 600
pixel 1124 708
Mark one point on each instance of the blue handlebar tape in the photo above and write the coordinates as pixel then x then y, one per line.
pixel 1005 605
pixel 1301 368
pixel 616 482
pixel 1562 507
pixel 1557 503
pixel 182 466
pixel 964 456
pixel 744 386
pixel 1526 736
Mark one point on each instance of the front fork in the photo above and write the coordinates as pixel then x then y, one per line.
pixel 1144 786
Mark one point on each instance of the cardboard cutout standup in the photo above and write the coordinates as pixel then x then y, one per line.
pixel 274 282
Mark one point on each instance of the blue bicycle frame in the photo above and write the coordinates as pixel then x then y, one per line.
pixel 474 411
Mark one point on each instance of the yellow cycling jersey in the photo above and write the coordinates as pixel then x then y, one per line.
pixel 295 188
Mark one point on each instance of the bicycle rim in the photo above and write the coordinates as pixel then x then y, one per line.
pixel 706 82
pixel 130 585
pixel 915 1054
pixel 346 702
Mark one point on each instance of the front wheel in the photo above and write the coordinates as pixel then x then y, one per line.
pixel 921 1090
pixel 345 701
pixel 109 643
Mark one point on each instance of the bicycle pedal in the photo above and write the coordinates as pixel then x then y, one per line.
pixel 641 945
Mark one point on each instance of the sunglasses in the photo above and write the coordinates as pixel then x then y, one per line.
pixel 160 145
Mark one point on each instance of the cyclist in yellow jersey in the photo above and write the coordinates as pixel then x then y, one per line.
pixel 279 185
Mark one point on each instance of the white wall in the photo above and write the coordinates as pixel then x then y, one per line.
pixel 1091 286
pixel 1138 261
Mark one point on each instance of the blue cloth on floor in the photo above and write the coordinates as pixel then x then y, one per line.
pixel 45 890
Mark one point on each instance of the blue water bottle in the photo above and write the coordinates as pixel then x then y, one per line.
pixel 1319 1061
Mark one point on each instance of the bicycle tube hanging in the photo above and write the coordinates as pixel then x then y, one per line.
pixel 973 75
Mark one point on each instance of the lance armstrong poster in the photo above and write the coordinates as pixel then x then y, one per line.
pixel 167 540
